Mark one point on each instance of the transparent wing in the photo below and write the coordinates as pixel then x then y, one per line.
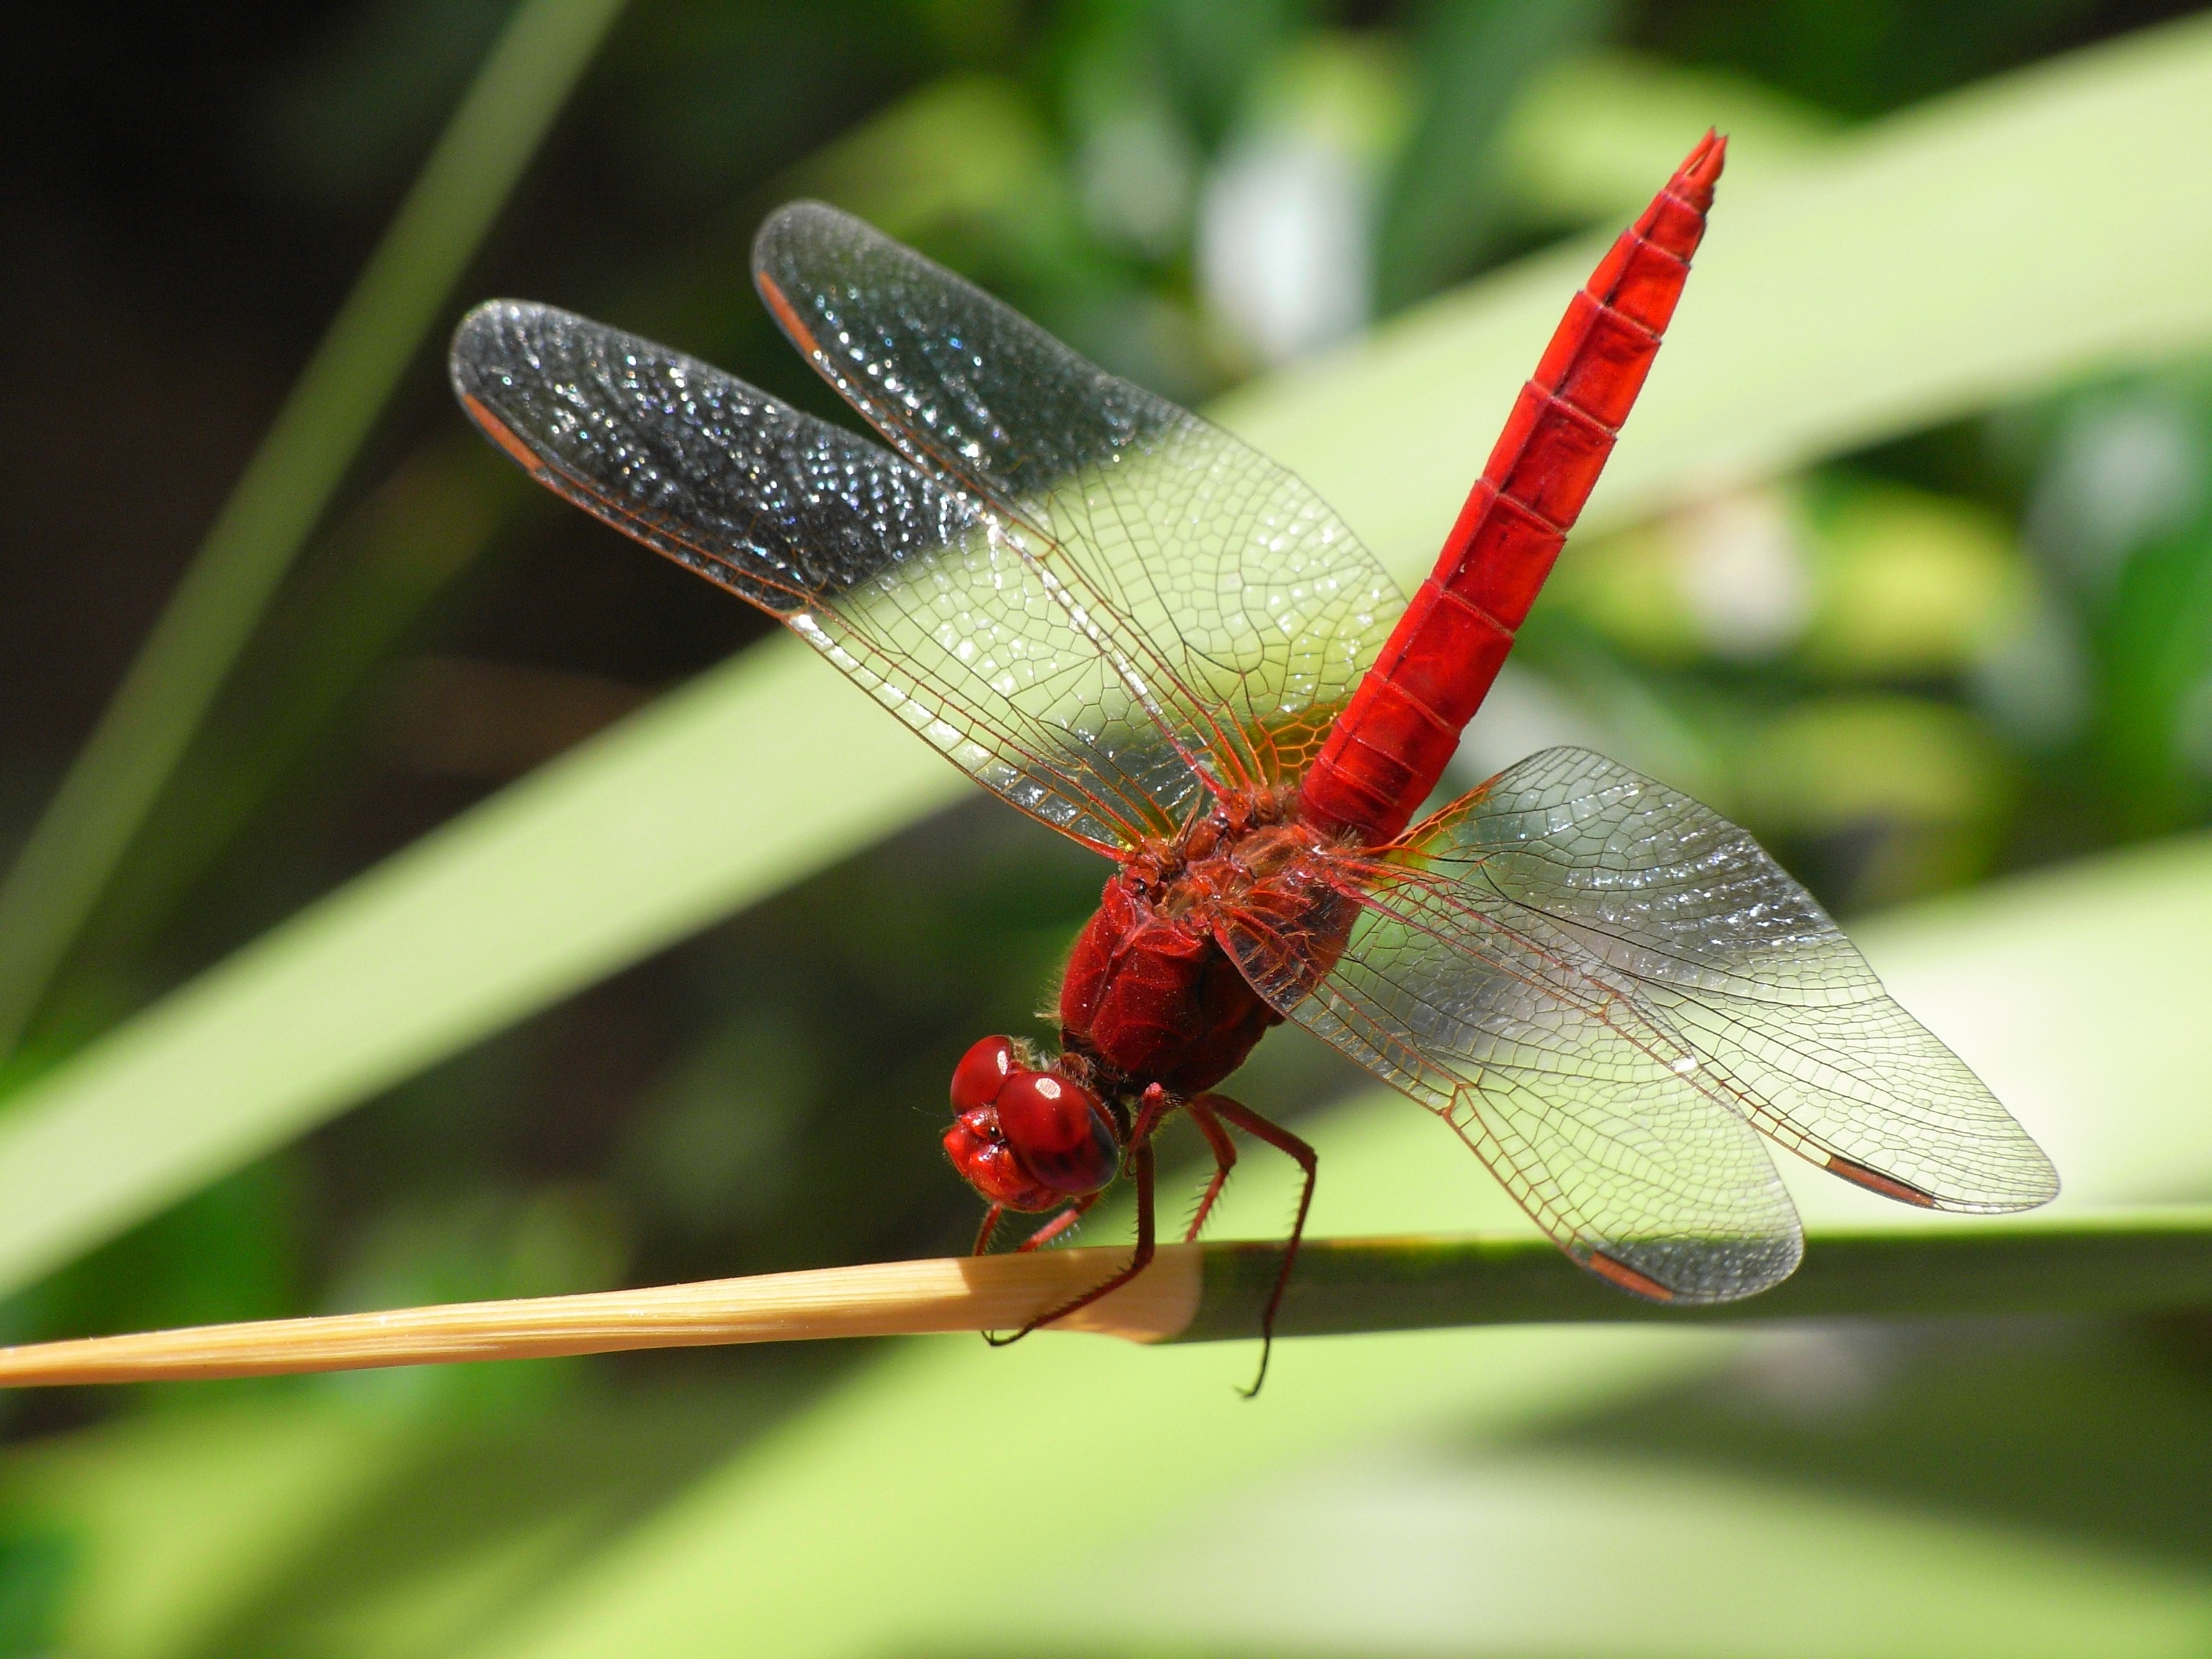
pixel 1585 1106
pixel 1233 602
pixel 1676 908
pixel 910 586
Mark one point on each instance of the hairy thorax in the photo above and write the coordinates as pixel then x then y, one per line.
pixel 1150 996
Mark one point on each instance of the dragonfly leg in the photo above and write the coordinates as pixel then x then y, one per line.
pixel 1140 1171
pixel 1282 1140
pixel 1152 1109
pixel 992 1218
pixel 1059 1225
pixel 1224 1160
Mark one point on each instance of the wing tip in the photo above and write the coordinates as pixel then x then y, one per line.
pixel 484 350
pixel 1861 1174
pixel 2027 1187
pixel 499 338
pixel 1684 1272
pixel 785 314
pixel 794 220
pixel 1621 1276
pixel 504 436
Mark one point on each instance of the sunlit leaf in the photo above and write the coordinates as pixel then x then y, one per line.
pixel 2077 994
pixel 61 870
pixel 1916 276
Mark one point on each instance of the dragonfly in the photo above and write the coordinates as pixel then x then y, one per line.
pixel 1143 633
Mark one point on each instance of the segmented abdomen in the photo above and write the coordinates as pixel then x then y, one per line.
pixel 1390 745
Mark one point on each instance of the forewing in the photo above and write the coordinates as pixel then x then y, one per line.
pixel 910 586
pixel 1585 1106
pixel 1231 599
pixel 1686 913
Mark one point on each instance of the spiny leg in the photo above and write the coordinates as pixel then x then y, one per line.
pixel 1224 1160
pixel 984 1234
pixel 1282 1140
pixel 1140 1170
pixel 1153 1109
pixel 1059 1225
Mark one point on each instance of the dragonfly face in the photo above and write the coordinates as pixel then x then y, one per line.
pixel 1028 1139
pixel 1143 633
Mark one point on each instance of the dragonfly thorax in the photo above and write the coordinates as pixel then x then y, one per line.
pixel 1149 995
pixel 1234 827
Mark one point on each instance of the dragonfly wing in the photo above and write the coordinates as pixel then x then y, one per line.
pixel 1232 600
pixel 909 585
pixel 1687 913
pixel 1584 1105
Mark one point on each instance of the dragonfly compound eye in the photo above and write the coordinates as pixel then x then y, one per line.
pixel 979 1151
pixel 982 1072
pixel 1059 1131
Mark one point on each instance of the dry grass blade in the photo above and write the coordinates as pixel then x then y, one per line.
pixel 890 1299
pixel 2134 1261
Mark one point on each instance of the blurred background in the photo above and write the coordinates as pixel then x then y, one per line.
pixel 1982 647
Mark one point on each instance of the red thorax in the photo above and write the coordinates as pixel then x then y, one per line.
pixel 1149 997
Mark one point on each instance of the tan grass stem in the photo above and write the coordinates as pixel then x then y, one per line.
pixel 888 1299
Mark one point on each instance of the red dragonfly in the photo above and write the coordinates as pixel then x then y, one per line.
pixel 1148 636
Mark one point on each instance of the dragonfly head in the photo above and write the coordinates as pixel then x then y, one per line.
pixel 1024 1138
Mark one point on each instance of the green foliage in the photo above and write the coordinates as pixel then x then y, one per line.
pixel 62 870
pixel 1903 560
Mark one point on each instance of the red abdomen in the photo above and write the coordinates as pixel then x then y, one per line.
pixel 1391 743
pixel 1156 1001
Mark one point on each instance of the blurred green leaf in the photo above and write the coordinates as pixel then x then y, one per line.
pixel 1859 580
pixel 1910 278
pixel 1436 1548
pixel 337 1520
pixel 907 1465
pixel 1586 137
pixel 968 147
pixel 2158 669
pixel 73 851
pixel 696 807
pixel 1912 584
pixel 200 1508
pixel 230 1251
pixel 1917 784
pixel 1914 277
pixel 35 1571
pixel 388 561
pixel 1475 56
pixel 1915 1491
pixel 1206 49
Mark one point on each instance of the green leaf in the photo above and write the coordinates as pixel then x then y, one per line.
pixel 1921 273
pixel 2106 1263
pixel 694 808
pixel 2030 230
pixel 1586 139
pixel 336 1519
pixel 73 849
pixel 1432 1549
pixel 2077 994
pixel 1476 56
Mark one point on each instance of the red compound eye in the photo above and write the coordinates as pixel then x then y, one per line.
pixel 1059 1131
pixel 982 1072
pixel 986 1163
